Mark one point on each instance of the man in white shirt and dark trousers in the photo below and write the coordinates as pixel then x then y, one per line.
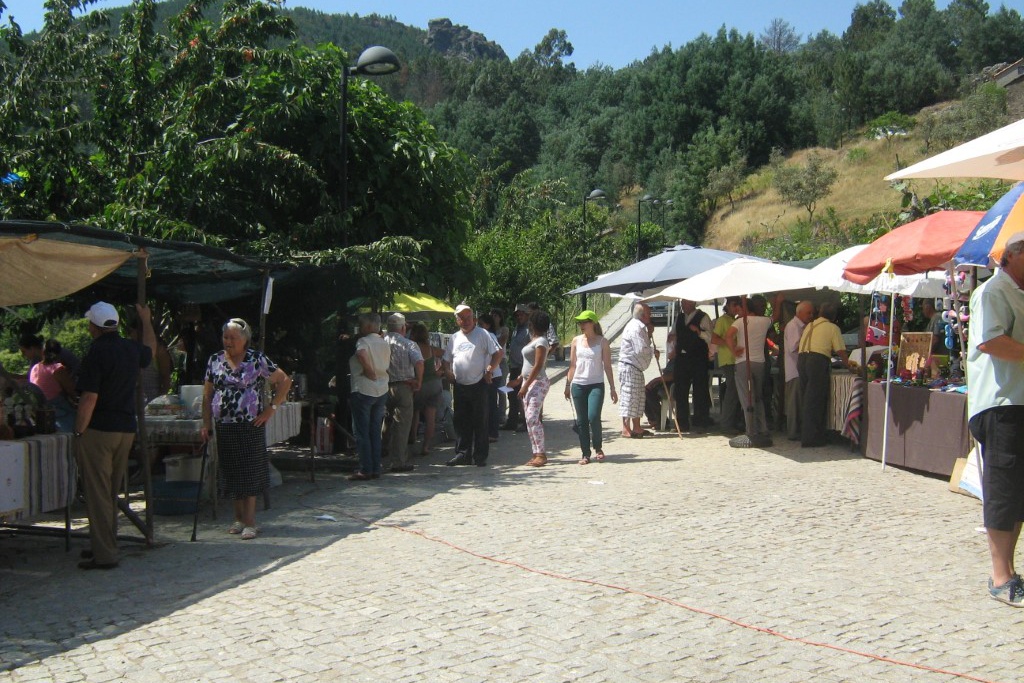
pixel 470 358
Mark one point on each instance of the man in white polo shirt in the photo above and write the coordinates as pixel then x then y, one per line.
pixel 470 358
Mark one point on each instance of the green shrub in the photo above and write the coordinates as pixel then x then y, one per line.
pixel 856 155
pixel 13 362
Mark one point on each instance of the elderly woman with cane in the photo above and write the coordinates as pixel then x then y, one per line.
pixel 589 356
pixel 233 398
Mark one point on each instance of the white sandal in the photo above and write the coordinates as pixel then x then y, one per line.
pixel 236 528
pixel 249 533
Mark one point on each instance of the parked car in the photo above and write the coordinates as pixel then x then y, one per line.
pixel 852 338
pixel 659 313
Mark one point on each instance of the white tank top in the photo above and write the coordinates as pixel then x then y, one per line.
pixel 589 362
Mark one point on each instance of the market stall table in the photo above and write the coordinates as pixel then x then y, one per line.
pixel 927 429
pixel 37 475
pixel 840 389
pixel 174 431
pixel 846 395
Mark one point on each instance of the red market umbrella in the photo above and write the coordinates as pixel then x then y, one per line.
pixel 928 243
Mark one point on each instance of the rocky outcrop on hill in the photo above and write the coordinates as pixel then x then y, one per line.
pixel 459 42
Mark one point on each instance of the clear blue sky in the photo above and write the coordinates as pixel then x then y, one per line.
pixel 601 31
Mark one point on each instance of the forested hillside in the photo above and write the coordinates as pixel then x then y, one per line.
pixel 666 124
pixel 218 120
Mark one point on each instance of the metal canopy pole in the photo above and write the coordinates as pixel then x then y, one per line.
pixel 263 310
pixel 145 526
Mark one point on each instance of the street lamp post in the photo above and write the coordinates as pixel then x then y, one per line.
pixel 639 204
pixel 374 61
pixel 595 195
pixel 665 206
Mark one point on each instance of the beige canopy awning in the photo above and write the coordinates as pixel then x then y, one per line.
pixel 33 270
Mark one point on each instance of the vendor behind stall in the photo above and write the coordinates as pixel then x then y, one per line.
pixel 820 340
pixel 58 388
pixel 156 378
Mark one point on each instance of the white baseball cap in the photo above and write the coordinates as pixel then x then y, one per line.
pixel 102 315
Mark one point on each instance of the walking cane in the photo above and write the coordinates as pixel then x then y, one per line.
pixel 664 384
pixel 199 492
pixel 575 422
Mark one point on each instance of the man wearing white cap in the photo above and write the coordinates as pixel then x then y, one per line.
pixel 470 358
pixel 995 406
pixel 105 424
pixel 405 375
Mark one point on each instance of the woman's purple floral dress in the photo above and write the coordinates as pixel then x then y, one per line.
pixel 238 392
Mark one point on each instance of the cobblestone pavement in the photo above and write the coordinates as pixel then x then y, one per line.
pixel 674 560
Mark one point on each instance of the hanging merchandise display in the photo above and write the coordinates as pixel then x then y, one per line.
pixel 877 332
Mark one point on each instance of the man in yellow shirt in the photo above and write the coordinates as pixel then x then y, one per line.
pixel 820 340
pixel 732 419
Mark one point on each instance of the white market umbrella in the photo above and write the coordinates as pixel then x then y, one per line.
pixel 999 154
pixel 739 277
pixel 672 265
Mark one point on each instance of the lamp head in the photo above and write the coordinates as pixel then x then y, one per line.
pixel 376 61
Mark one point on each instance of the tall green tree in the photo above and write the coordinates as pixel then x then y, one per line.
pixel 45 134
pixel 540 248
pixel 870 24
pixel 224 133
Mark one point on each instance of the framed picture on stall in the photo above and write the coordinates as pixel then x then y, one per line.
pixel 915 349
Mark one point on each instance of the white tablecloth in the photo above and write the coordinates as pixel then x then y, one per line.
pixel 36 475
pixel 169 430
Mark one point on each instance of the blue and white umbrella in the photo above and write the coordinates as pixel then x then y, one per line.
pixel 984 246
